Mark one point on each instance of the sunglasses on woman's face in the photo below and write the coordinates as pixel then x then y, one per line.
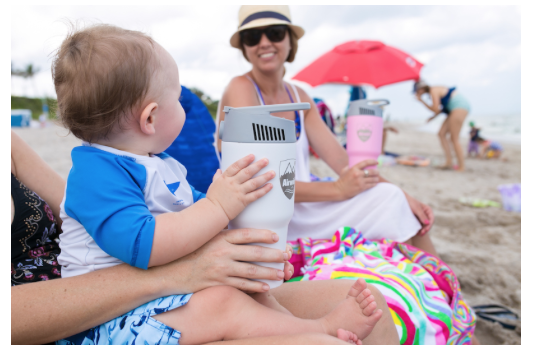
pixel 252 37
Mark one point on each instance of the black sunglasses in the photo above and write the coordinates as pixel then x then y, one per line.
pixel 252 37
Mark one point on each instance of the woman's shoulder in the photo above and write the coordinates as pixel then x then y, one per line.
pixel 240 83
pixel 304 97
pixel 240 91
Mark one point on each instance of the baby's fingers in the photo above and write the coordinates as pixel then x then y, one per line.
pixel 257 182
pixel 251 170
pixel 257 194
pixel 239 165
pixel 217 175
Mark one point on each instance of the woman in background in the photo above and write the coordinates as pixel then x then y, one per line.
pixel 456 107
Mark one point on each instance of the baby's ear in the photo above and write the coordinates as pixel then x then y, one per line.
pixel 146 122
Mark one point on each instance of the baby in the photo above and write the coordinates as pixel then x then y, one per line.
pixel 127 201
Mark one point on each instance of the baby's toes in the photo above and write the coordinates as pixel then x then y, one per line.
pixel 348 336
pixel 363 295
pixel 375 316
pixel 367 304
pixel 358 287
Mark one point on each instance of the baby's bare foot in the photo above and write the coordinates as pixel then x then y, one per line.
pixel 357 314
pixel 348 336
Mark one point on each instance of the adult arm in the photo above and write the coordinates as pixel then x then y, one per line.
pixel 433 117
pixel 351 181
pixel 240 92
pixel 38 176
pixel 435 100
pixel 46 311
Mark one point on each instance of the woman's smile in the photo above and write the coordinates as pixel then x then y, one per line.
pixel 267 55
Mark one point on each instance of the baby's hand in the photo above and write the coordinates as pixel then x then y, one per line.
pixel 234 189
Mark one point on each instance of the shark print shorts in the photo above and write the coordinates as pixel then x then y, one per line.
pixel 136 327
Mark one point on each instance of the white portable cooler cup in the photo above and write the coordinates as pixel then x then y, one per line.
pixel 252 130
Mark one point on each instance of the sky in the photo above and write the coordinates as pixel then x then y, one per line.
pixel 474 48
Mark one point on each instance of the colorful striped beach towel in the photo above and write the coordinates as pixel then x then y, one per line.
pixel 422 292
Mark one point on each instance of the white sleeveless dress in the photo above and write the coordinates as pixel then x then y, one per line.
pixel 381 212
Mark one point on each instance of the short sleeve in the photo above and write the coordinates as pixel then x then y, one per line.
pixel 105 195
pixel 196 195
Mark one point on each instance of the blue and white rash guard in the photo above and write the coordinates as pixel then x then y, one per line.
pixel 110 204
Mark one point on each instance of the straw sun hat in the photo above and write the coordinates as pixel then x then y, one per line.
pixel 252 16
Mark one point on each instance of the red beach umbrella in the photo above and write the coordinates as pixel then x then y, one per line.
pixel 361 62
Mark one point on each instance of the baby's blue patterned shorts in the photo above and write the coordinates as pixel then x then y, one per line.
pixel 136 327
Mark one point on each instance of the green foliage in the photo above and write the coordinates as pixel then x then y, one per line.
pixel 35 105
pixel 208 102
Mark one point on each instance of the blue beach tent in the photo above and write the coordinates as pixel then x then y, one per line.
pixel 194 148
pixel 20 118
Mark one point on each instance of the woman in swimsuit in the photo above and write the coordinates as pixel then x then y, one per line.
pixel 360 197
pixel 456 107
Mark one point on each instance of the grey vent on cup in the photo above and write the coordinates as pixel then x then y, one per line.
pixel 256 124
pixel 367 107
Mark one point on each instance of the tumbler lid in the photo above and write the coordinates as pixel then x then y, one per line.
pixel 255 124
pixel 367 107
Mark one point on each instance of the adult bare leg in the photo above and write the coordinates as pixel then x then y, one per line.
pixel 443 132
pixel 424 243
pixel 456 120
pixel 225 313
pixel 314 299
pixel 295 339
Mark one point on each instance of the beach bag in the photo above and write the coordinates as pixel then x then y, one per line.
pixel 325 113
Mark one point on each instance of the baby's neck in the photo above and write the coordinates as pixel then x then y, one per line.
pixel 126 142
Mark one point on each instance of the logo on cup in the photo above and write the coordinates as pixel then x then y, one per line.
pixel 364 134
pixel 287 177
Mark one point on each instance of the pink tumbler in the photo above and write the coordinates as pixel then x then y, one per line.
pixel 364 131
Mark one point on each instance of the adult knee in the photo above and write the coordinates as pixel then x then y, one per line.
pixel 221 297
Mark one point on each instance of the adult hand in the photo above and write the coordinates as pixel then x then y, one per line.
pixel 355 180
pixel 224 260
pixel 423 212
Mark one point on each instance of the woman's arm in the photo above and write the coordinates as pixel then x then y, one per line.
pixel 240 92
pixel 38 176
pixel 435 100
pixel 47 311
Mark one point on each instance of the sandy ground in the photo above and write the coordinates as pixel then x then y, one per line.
pixel 481 245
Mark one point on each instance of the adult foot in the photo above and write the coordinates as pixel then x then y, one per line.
pixel 445 167
pixel 348 336
pixel 358 313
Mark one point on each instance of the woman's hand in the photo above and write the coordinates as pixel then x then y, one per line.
pixel 224 260
pixel 423 212
pixel 288 270
pixel 353 181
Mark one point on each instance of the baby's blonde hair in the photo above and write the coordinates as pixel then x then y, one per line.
pixel 100 74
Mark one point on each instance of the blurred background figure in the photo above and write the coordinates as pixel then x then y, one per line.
pixel 489 148
pixel 456 107
pixel 472 145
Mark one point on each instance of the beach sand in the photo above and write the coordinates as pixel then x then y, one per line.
pixel 482 245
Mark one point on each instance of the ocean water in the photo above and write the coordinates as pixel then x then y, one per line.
pixel 502 128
